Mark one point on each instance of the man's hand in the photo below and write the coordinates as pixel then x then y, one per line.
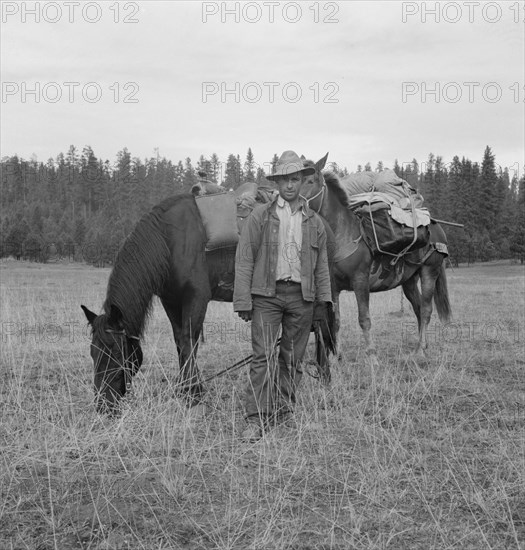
pixel 245 315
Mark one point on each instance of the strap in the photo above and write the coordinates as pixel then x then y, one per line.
pixel 122 332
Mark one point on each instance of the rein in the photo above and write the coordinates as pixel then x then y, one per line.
pixel 240 364
pixel 235 366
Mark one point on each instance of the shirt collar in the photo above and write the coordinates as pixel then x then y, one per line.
pixel 282 203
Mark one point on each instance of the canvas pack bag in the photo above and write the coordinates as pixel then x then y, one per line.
pixel 219 217
pixel 393 220
pixel 384 235
pixel 224 214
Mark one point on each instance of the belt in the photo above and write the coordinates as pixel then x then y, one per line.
pixel 286 282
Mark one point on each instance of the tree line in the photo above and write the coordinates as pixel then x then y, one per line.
pixel 80 208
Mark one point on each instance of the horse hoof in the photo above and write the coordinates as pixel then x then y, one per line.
pixel 192 395
pixel 419 355
pixel 197 411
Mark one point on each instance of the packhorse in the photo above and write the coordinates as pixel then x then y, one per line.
pixel 357 268
pixel 164 256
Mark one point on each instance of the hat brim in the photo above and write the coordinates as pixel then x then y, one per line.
pixel 306 171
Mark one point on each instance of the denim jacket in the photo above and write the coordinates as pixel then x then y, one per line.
pixel 256 257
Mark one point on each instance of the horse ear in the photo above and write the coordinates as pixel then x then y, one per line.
pixel 303 157
pixel 320 164
pixel 115 317
pixel 90 316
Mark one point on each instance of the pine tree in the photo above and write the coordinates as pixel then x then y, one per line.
pixel 274 162
pixel 190 178
pixel 89 181
pixel 140 190
pixel 14 182
pixel 233 174
pixel 440 189
pixel 517 244
pixel 249 174
pixel 398 170
pixel 80 231
pixel 122 178
pixel 179 177
pixel 204 165
pixel 72 165
pixel 412 176
pixel 215 169
pixel 49 177
pixel 427 185
pixel 37 222
pixel 487 192
pixel 260 177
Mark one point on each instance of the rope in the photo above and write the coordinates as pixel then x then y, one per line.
pixel 399 255
pixel 235 366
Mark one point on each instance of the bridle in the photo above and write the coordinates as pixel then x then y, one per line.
pixel 320 192
pixel 123 344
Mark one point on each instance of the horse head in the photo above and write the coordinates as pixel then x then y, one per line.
pixel 117 356
pixel 313 185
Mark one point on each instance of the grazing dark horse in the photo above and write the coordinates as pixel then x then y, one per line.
pixel 163 256
pixel 357 269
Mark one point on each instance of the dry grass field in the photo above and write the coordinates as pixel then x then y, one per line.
pixel 397 455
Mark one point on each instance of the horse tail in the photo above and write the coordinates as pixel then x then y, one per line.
pixel 441 299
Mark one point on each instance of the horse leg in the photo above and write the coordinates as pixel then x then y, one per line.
pixel 411 291
pixel 186 320
pixel 429 275
pixel 362 295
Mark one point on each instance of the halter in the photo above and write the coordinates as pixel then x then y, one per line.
pixel 124 334
pixel 320 192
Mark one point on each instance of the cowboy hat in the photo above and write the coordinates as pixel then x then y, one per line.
pixel 290 163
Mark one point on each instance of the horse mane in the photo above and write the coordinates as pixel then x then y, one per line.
pixel 333 182
pixel 141 267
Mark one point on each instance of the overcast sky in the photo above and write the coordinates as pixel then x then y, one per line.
pixel 355 79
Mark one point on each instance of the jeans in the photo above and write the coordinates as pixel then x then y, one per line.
pixel 274 380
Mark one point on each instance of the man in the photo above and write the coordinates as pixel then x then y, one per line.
pixel 281 268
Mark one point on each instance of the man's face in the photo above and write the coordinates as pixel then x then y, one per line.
pixel 290 186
